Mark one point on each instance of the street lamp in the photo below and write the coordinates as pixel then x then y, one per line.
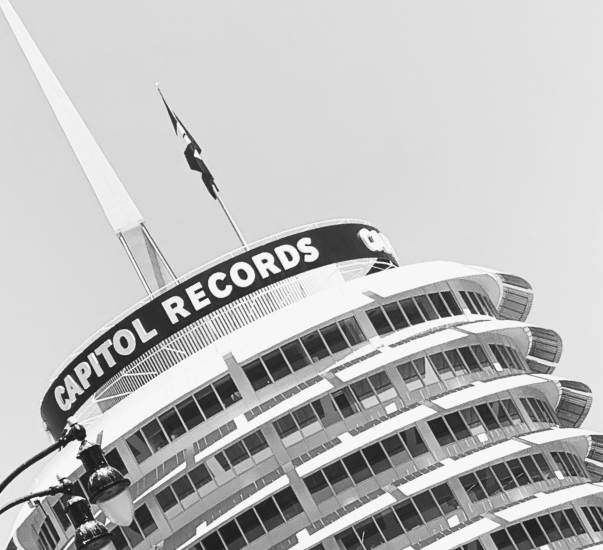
pixel 107 488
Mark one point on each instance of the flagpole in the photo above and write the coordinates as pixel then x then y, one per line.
pixel 231 220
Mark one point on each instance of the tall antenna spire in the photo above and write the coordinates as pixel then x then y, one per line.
pixel 123 215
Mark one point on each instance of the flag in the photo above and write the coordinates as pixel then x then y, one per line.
pixel 192 153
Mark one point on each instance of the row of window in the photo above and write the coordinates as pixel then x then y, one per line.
pixel 594 515
pixel 187 414
pixel 254 523
pixel 364 394
pixel 569 464
pixel 365 463
pixel 131 536
pixel 539 531
pixel 478 304
pixel 413 311
pixel 505 476
pixel 242 450
pixel 48 538
pixel 304 351
pixel 539 410
pixel 183 487
pixel 401 518
pixel 473 421
pixel 508 357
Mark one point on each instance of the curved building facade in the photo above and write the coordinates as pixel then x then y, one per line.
pixel 310 394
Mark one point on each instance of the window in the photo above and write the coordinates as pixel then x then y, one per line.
pixel 48 537
pixel 505 476
pixel 61 514
pixel 114 459
pixel 538 410
pixel 478 304
pixel 242 450
pixel 594 515
pixel 473 421
pixel 254 523
pixel 413 311
pixel 379 457
pixel 301 352
pixel 403 517
pixel 569 464
pixel 540 531
pixel 131 536
pixel 174 422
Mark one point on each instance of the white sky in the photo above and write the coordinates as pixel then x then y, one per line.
pixel 467 131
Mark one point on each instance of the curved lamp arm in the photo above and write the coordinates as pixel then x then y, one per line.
pixel 66 486
pixel 71 433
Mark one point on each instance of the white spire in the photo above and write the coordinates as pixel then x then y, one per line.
pixel 123 215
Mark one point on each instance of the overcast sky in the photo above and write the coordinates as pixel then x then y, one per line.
pixel 466 131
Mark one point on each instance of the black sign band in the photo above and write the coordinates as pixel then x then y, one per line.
pixel 198 296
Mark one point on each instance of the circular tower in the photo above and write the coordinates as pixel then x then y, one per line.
pixel 307 393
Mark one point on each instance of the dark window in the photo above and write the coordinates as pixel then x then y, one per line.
pixel 531 468
pixel 504 476
pixel 295 354
pixel 61 515
pixel 138 447
pixel 190 413
pixel 576 523
pixel 395 316
pixel 369 533
pixel 155 435
pixel 315 346
pixel 457 426
pixel 411 311
pixel 455 360
pixel 213 542
pixel 451 302
pixel 288 503
pixel 376 458
pixel 236 453
pixel 257 374
pixel 250 525
pixel 232 536
pixel 357 466
pixel 427 506
pixel 255 442
pixel 470 360
pixel 544 467
pixel 445 498
pixel 345 402
pixel 520 537
pixel 518 472
pixel 441 365
pixel 349 540
pixel 396 450
pixel 285 426
pixel 166 499
pixel 269 514
pixel 426 308
pixel 535 532
pixel 550 528
pixel 439 304
pixel 379 321
pixel 208 401
pixel 414 443
pixel 172 424
pixel 114 459
pixel 200 476
pixel 334 338
pixel 487 417
pixel 118 539
pixel 473 487
pixel 276 364
pixel 227 390
pixel 440 431
pixel 337 477
pixel 305 416
pixel 145 520
pixel 502 541
pixel 500 413
pixel 488 481
pixel 562 524
pixel 318 486
pixel 352 331
pixel 408 515
pixel 183 488
pixel 389 524
pixel 468 302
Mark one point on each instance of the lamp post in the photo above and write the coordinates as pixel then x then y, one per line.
pixel 107 488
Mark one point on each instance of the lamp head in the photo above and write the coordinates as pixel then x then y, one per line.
pixel 106 486
pixel 89 533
